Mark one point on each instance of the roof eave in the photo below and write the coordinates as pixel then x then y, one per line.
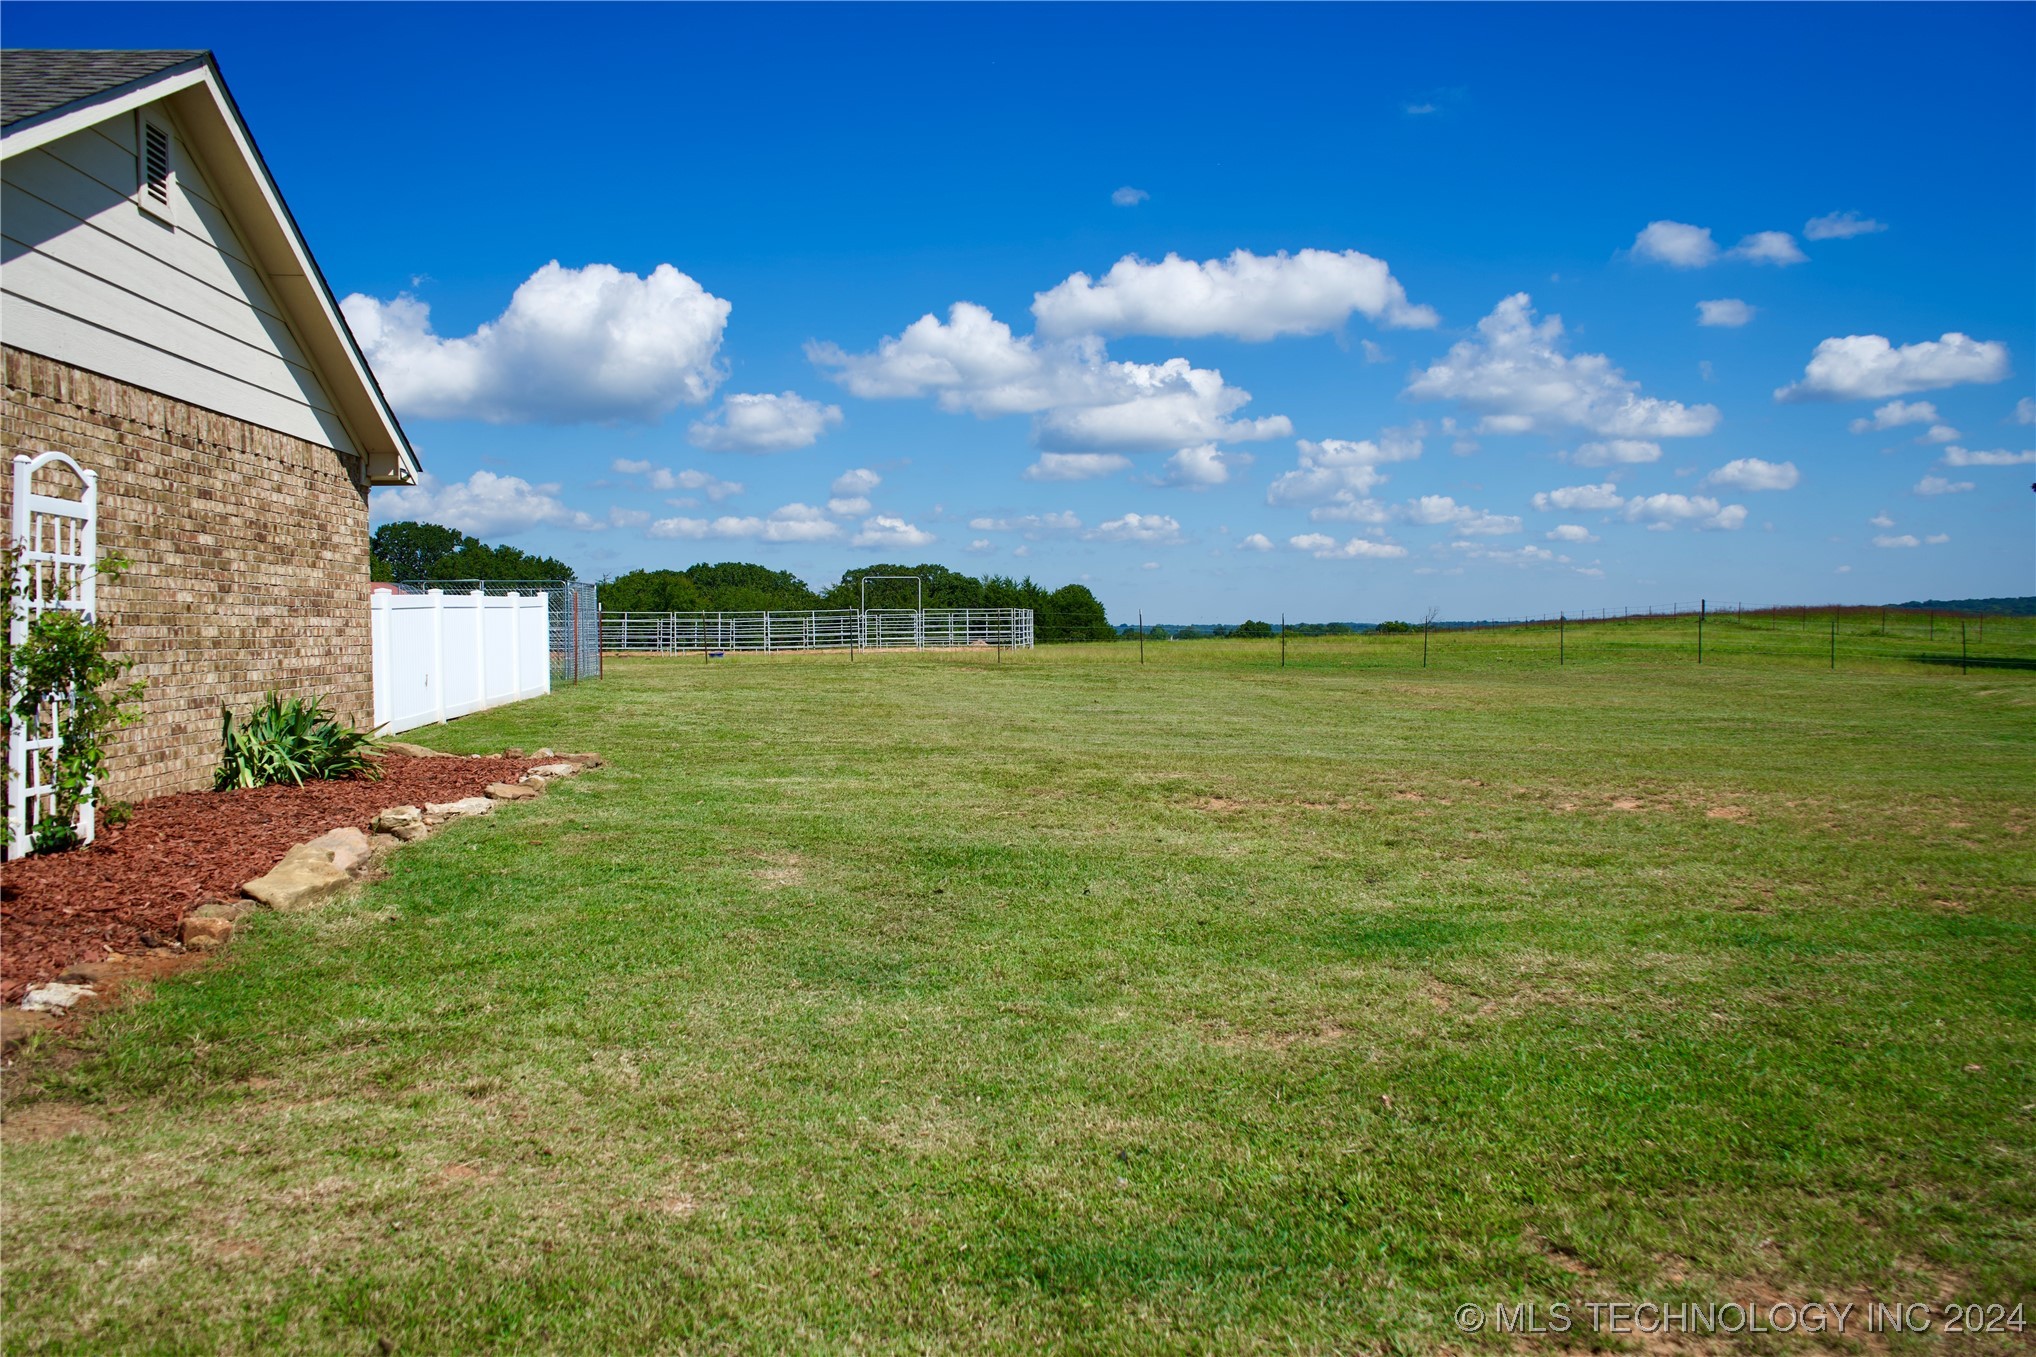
pixel 212 122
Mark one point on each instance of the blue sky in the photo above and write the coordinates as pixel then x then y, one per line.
pixel 613 262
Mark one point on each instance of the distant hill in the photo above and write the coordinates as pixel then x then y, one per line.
pixel 1992 607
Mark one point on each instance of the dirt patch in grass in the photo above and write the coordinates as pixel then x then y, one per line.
pixel 47 1120
pixel 179 851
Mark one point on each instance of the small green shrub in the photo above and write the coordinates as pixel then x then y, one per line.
pixel 289 741
pixel 1394 629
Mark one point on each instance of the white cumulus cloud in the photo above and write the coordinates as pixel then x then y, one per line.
pixel 664 478
pixel 1129 196
pixel 1570 532
pixel 1246 296
pixel 1677 244
pixel 1258 541
pixel 1463 520
pixel 1615 452
pixel 1725 311
pixel 1080 400
pixel 1770 247
pixel 1201 467
pixel 1155 529
pixel 1868 367
pixel 1840 226
pixel 1034 526
pixel 1957 456
pixel 1324 547
pixel 2025 410
pixel 1701 510
pixel 1938 485
pixel 788 523
pixel 484 504
pixel 1516 375
pixel 1752 473
pixel 1344 472
pixel 1895 414
pixel 1683 246
pixel 886 530
pixel 764 423
pixel 1581 497
pixel 1076 466
pixel 1902 540
pixel 585 345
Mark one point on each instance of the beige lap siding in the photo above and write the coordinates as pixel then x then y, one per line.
pixel 249 552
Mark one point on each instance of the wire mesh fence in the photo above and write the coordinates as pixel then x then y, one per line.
pixel 573 608
pixel 833 629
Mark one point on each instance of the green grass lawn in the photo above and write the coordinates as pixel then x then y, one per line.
pixel 937 1004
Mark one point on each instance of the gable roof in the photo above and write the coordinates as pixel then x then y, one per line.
pixel 47 95
pixel 33 83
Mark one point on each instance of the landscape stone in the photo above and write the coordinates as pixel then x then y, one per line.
pixel 438 812
pixel 232 910
pixel 405 822
pixel 532 780
pixel 557 770
pixel 88 973
pixel 584 760
pixel 511 791
pixel 415 751
pixel 347 845
pixel 304 878
pixel 55 998
pixel 543 754
pixel 512 753
pixel 379 844
pixel 202 935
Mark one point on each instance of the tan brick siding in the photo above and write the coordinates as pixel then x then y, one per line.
pixel 249 552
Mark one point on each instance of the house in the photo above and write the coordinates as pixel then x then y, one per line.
pixel 164 324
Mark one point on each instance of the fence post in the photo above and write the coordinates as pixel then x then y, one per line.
pixel 1703 607
pixel 437 679
pixel 1141 636
pixel 1283 640
pixel 515 645
pixel 480 598
pixel 1561 640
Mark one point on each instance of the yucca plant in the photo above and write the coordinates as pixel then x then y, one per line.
pixel 289 740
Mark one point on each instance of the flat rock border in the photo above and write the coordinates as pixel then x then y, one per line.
pixel 309 875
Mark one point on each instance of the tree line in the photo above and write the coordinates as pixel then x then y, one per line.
pixel 429 552
pixel 1069 613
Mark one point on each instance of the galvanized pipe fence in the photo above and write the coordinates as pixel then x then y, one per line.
pixel 829 629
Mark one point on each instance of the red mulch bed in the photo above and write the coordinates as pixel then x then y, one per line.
pixel 180 851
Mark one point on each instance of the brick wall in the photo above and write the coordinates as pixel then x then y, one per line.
pixel 249 553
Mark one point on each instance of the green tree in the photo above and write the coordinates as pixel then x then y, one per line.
pixel 737 586
pixel 1072 613
pixel 478 561
pixel 652 591
pixel 408 551
pixel 1254 631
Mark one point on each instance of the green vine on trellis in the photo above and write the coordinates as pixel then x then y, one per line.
pixel 64 658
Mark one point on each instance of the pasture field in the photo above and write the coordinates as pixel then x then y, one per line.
pixel 938 1004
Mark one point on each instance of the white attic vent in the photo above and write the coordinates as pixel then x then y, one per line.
pixel 154 157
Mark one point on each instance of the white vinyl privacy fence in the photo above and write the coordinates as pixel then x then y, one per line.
pixel 440 655
pixel 837 629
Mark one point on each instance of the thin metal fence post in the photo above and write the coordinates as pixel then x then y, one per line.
pixel 1283 640
pixel 1141 636
pixel 1561 640
pixel 1703 607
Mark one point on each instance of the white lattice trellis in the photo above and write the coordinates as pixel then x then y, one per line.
pixel 58 539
